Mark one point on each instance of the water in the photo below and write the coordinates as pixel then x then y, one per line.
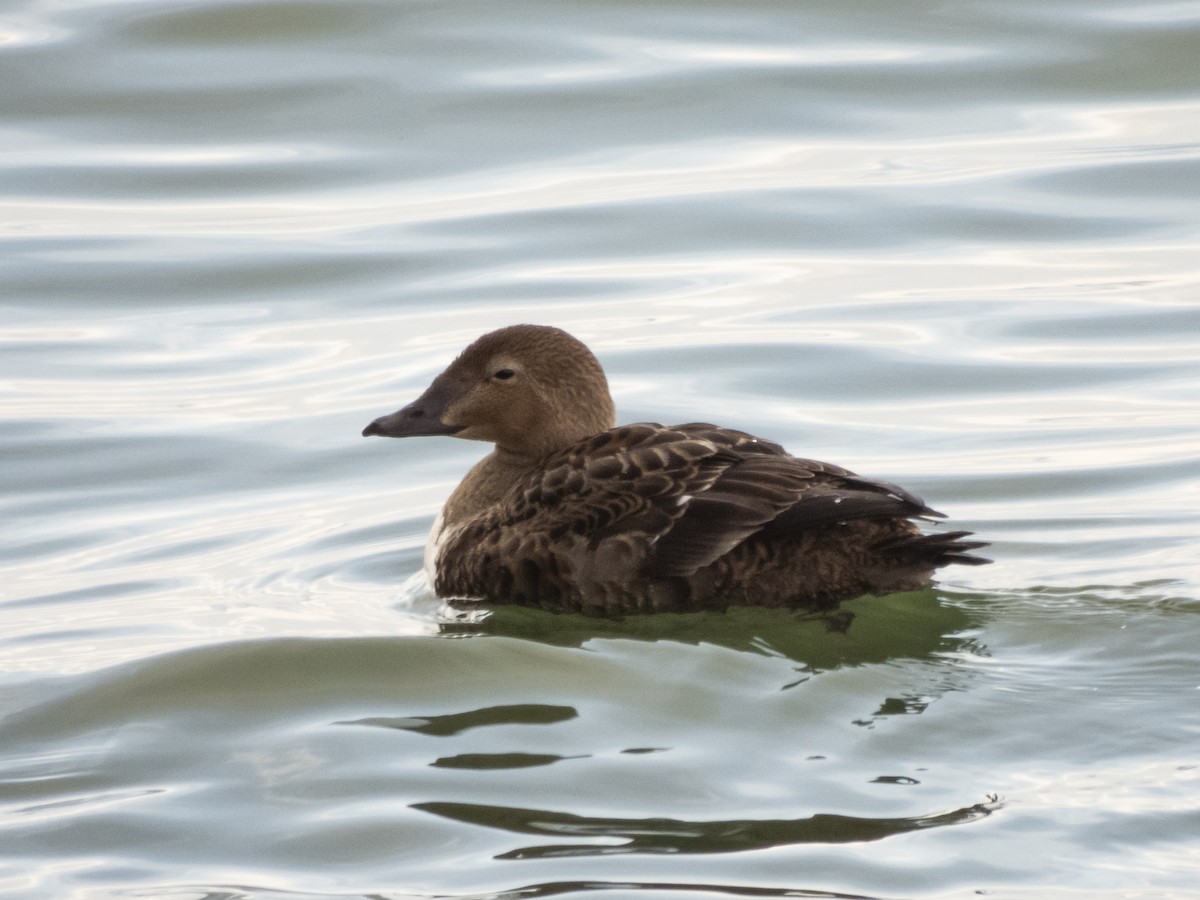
pixel 954 246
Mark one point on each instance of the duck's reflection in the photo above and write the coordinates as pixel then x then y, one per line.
pixel 661 835
pixel 456 723
pixel 920 625
pixel 673 888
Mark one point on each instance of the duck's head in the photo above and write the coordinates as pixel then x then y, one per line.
pixel 529 389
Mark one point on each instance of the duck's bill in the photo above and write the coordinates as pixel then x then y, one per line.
pixel 414 420
pixel 421 417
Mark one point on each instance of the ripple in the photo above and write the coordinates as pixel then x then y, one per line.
pixel 1061 141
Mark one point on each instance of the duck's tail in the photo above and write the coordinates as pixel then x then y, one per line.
pixel 937 550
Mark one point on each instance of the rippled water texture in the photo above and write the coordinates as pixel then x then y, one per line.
pixel 956 246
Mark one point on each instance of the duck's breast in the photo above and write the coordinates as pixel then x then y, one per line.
pixel 435 544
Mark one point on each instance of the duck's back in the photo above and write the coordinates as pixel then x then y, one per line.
pixel 649 518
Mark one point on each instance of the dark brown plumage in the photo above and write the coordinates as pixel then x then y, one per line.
pixel 569 513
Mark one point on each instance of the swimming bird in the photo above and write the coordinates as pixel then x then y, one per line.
pixel 571 513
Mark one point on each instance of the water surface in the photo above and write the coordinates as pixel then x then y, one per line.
pixel 954 246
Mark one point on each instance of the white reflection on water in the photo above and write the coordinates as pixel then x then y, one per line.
pixel 635 59
pixel 1162 785
pixel 41 152
pixel 1179 13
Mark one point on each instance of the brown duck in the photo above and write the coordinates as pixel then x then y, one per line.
pixel 569 512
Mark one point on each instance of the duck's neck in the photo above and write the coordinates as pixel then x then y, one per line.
pixel 486 484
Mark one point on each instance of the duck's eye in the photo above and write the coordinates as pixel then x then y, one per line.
pixel 504 374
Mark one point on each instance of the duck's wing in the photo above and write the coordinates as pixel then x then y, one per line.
pixel 633 481
pixel 764 489
pixel 667 501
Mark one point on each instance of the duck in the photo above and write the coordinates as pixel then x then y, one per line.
pixel 572 513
